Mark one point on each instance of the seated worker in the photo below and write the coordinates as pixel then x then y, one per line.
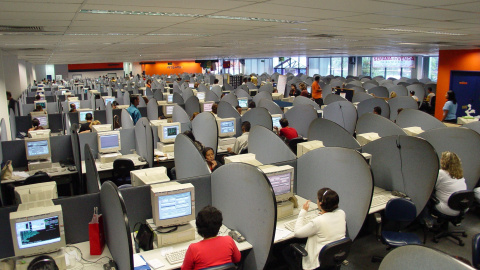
pixel 38 108
pixel 412 94
pixel 85 127
pixel 73 107
pixel 304 92
pixel 210 158
pixel 38 97
pixel 35 125
pixel 327 227
pixel 428 98
pixel 215 82
pixel 114 105
pixel 197 144
pixel 148 84
pixel 242 141
pixel 286 131
pixel 377 110
pixel 132 110
pixel 251 105
pixel 239 109
pixel 294 92
pixel 215 109
pixel 213 250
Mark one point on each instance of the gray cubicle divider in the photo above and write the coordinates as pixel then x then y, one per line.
pixel 126 98
pixel 300 117
pixel 100 115
pixel 109 115
pixel 400 90
pixel 205 130
pixel 152 109
pixel 462 141
pixel 144 140
pixel 379 91
pixel 179 115
pixel 418 89
pixel 300 100
pixel 406 164
pixel 475 126
pixel 403 103
pixel 127 121
pixel 189 162
pixel 343 170
pixel 360 96
pixel 258 116
pixel 267 146
pixel 158 95
pixel 3 131
pixel 265 88
pixel 77 153
pixel 192 105
pixel 202 88
pixel 187 93
pixel 331 134
pixel 211 96
pixel 253 214
pixel 115 222
pixel 342 113
pixel 330 98
pixel 225 110
pixel 242 93
pixel 141 102
pixel 99 103
pixel 177 98
pixel 367 106
pixel 413 257
pixel 217 90
pixel 260 95
pixel 417 118
pixel 52 107
pixel 231 98
pixel 92 179
pixel 271 106
pixel 371 122
pixel 127 137
pixel 13 126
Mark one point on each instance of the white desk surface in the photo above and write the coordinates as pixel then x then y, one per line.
pixel 59 171
pixel 159 253
pixel 85 249
pixel 377 191
pixel 109 166
pixel 160 155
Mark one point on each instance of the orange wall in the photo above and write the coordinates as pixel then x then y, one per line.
pixel 464 60
pixel 177 67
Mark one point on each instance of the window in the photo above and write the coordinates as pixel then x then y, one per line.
pixel 433 69
pixel 336 68
pixel 294 65
pixel 258 66
pixel 366 66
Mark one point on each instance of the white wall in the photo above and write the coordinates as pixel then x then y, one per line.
pixel 12 77
pixel 22 73
pixel 3 96
pixel 30 73
pixel 136 68
pixel 62 70
pixel 95 74
pixel 40 72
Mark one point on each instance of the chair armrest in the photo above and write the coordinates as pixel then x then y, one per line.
pixel 297 248
pixel 434 199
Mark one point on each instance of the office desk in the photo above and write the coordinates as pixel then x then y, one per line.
pixel 55 171
pixel 377 192
pixel 281 230
pixel 463 121
pixel 103 167
pixel 84 248
pixel 159 253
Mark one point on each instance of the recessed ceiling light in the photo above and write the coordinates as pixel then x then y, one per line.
pixel 418 31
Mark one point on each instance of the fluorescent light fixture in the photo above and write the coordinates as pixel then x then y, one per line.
pixel 409 43
pixel 418 31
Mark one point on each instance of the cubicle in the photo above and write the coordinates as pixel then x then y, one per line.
pixel 300 117
pixel 226 110
pixel 331 134
pixel 300 100
pixel 271 106
pixel 368 105
pixel 258 116
pixel 401 103
pixel 189 162
pixel 205 130
pixel 417 118
pixel 343 113
pixel 371 122
pixel 127 137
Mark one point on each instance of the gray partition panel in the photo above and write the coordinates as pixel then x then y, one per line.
pixel 99 103
pixel 371 122
pixel 109 115
pixel 100 115
pixel 138 203
pixel 203 190
pixel 253 214
pixel 225 110
pixel 379 91
pixel 258 116
pixel 177 98
pixel 189 162
pixel 342 113
pixel 367 106
pixel 28 108
pixel 6 248
pixel 217 90
pixel 475 126
pixel 202 88
pixel 242 93
pixel 179 115
pixel 359 97
pixel 413 257
pixel 126 98
pixel 77 154
pixel 52 107
pixel 91 174
pixel 18 156
pixel 3 131
pixel 211 96
pixel 144 140
pixel 462 141
pixel 417 118
pixel 187 93
pixel 267 146
pixel 271 106
pixel 418 89
pixel 260 95
pixel 21 123
pixel 303 100
pixel 231 98
pixel 61 149
pixel 401 102
pixel 343 170
pixel 300 117
pixel 205 130
pixel 192 105
pixel 400 90
pixel 117 230
pixel 331 134
pixel 406 164
pixel 126 118
pixel 152 109
pixel 143 111
pixel 332 98
pixel 128 140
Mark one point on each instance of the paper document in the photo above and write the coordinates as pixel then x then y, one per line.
pixel 138 260
pixel 280 234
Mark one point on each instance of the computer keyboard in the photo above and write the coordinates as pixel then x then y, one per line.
pixel 378 200
pixel 176 256
pixel 290 225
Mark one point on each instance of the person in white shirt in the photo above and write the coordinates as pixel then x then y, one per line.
pixel 412 94
pixel 242 141
pixel 450 179
pixel 329 226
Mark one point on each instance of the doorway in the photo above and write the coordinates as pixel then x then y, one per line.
pixel 466 85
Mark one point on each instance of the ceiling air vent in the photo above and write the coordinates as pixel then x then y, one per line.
pixel 16 29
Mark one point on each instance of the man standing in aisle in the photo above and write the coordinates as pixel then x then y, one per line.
pixel 317 91
pixel 132 110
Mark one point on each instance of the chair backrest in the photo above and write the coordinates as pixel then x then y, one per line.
pixel 39 177
pixel 122 168
pixel 476 251
pixel 401 210
pixel 333 254
pixel 293 143
pixel 227 266
pixel 461 200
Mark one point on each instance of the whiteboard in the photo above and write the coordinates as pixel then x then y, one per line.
pixel 281 84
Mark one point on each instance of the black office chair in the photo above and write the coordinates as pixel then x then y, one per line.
pixel 476 251
pixel 293 143
pixel 38 177
pixel 459 201
pixel 433 101
pixel 330 257
pixel 121 171
pixel 227 266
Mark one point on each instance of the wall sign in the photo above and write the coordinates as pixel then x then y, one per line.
pixel 393 62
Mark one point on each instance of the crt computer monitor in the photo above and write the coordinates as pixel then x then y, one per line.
pixel 76 102
pixel 101 128
pixel 309 89
pixel 168 110
pixel 207 106
pixel 108 99
pixel 42 103
pixel 83 114
pixel 37 148
pixel 109 142
pixel 226 127
pixel 276 120
pixel 40 133
pixel 172 204
pixel 201 95
pixel 191 85
pixel 169 98
pixel 281 179
pixel 243 102
pixel 42 117
pixel 37 231
pixel 167 132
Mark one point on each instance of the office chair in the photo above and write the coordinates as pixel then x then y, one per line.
pixel 227 266
pixel 476 251
pixel 330 257
pixel 38 177
pixel 293 143
pixel 459 201
pixel 121 171
pixel 432 106
pixel 42 262
pixel 399 213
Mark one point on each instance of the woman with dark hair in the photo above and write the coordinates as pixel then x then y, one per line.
pixel 213 250
pixel 294 92
pixel 210 158
pixel 450 108
pixel 148 84
pixel 327 227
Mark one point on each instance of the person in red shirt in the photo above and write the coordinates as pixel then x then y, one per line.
pixel 213 250
pixel 317 91
pixel 286 131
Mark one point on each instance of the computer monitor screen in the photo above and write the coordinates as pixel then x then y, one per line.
pixel 76 102
pixel 207 106
pixel 109 99
pixel 276 120
pixel 167 132
pixel 168 110
pixel 37 230
pixel 43 120
pixel 201 95
pixel 191 85
pixel 243 102
pixel 82 116
pixel 41 95
pixel 226 127
pixel 309 89
pixel 109 142
pixel 169 98
pixel 63 92
pixel 173 204
pixel 37 149
pixel 281 179
pixel 42 103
